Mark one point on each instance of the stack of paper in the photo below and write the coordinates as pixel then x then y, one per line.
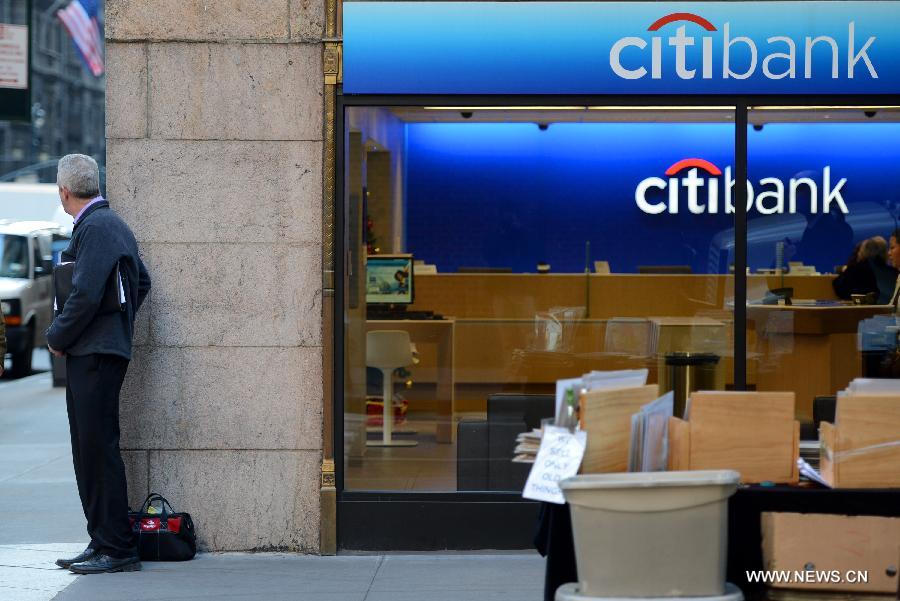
pixel 527 445
pixel 648 450
pixel 585 388
pixel 809 453
pixel 599 380
pixel 872 386
pixel 809 473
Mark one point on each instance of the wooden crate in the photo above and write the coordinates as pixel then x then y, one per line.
pixel 862 448
pixel 606 417
pixel 753 433
pixel 794 542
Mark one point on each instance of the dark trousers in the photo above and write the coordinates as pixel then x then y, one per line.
pixel 92 400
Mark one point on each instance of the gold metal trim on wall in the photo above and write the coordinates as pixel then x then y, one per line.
pixel 332 68
pixel 333 61
pixel 328 190
pixel 332 65
pixel 328 473
pixel 331 18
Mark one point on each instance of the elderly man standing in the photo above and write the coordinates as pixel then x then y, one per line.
pixel 97 347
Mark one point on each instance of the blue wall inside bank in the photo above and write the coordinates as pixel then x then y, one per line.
pixel 511 195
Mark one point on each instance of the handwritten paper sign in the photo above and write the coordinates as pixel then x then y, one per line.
pixel 558 458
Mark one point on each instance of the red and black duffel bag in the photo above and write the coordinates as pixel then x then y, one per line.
pixel 162 534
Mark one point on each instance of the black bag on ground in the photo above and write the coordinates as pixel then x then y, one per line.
pixel 164 534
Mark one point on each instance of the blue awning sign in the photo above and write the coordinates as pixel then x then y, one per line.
pixel 622 47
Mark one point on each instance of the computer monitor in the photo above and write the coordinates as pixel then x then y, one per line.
pixel 389 279
pixel 664 269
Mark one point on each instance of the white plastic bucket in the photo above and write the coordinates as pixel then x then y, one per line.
pixel 570 592
pixel 651 534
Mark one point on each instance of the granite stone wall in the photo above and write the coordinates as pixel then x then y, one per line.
pixel 214 158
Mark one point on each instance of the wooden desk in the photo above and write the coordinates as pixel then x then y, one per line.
pixel 522 295
pixel 508 352
pixel 438 332
pixel 495 313
pixel 810 350
pixel 495 337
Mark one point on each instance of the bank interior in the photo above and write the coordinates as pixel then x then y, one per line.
pixel 547 242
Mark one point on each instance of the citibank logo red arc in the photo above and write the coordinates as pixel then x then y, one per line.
pixel 673 17
pixel 686 163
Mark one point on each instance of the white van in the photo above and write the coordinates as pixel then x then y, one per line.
pixel 26 286
pixel 32 202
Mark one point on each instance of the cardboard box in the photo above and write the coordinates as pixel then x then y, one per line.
pixel 837 548
pixel 606 417
pixel 753 433
pixel 862 448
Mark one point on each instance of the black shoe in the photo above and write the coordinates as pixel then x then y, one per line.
pixel 88 553
pixel 104 563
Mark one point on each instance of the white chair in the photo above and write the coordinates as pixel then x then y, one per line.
pixel 388 350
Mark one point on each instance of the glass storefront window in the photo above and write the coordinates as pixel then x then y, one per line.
pixel 822 280
pixel 544 244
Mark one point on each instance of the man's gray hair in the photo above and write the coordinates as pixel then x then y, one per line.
pixel 872 248
pixel 80 174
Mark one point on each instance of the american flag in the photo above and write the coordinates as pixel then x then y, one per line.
pixel 80 19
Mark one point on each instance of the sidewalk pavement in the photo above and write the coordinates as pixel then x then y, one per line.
pixel 285 577
pixel 42 520
pixel 41 513
pixel 38 496
pixel 27 572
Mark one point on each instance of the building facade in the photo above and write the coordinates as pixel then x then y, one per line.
pixel 264 153
pixel 215 158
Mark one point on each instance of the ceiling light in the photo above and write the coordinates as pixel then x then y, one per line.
pixel 504 108
pixel 818 108
pixel 661 108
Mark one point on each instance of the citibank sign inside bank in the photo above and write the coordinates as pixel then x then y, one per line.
pixel 701 195
pixel 783 56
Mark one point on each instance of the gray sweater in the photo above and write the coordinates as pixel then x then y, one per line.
pixel 99 239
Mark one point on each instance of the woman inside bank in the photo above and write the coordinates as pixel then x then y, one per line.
pixel 867 272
